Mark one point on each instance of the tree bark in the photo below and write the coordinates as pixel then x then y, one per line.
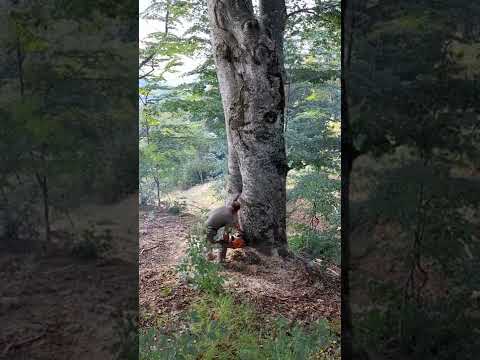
pixel 157 185
pixel 20 60
pixel 347 161
pixel 249 61
pixel 42 182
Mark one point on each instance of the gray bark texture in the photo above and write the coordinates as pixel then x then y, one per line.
pixel 249 61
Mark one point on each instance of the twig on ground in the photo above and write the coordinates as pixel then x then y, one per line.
pixel 22 342
pixel 148 249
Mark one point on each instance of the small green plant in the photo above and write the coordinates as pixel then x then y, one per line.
pixel 176 207
pixel 92 243
pixel 201 273
pixel 224 329
pixel 126 329
pixel 292 342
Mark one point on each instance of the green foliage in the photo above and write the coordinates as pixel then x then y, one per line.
pixel 176 151
pixel 175 207
pixel 319 194
pixel 294 343
pixel 127 331
pixel 196 268
pixel 92 243
pixel 221 328
pixel 312 60
pixel 324 244
pixel 197 171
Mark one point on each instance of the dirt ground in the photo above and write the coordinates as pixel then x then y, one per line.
pixel 50 307
pixel 51 304
pixel 162 296
pixel 273 285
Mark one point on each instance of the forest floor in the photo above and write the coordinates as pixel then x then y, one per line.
pixel 51 303
pixel 272 285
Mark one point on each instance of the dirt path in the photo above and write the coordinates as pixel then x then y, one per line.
pixel 162 241
pixel 271 284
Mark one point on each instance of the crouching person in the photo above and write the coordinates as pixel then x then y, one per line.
pixel 224 217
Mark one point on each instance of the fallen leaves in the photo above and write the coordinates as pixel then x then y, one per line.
pixel 273 285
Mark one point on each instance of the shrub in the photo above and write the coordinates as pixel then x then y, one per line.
pixel 317 244
pixel 176 207
pixel 126 329
pixel 92 243
pixel 201 273
pixel 196 172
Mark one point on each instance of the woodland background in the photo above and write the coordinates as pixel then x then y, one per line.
pixel 68 179
pixel 411 186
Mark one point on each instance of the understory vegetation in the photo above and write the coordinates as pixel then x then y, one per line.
pixel 414 184
pixel 220 327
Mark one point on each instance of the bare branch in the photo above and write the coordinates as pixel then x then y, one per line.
pixel 146 60
pixel 143 76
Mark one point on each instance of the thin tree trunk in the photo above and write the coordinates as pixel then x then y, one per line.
pixel 167 15
pixel 249 60
pixel 42 181
pixel 157 183
pixel 20 182
pixel 20 59
pixel 4 194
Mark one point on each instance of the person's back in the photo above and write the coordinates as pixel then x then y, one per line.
pixel 220 217
pixel 226 217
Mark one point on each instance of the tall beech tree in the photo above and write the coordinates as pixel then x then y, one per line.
pixel 248 50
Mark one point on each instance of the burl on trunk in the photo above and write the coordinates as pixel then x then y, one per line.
pixel 249 60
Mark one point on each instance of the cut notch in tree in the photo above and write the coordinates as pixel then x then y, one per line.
pixel 248 57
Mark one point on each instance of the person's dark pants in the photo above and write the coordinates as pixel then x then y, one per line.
pixel 211 233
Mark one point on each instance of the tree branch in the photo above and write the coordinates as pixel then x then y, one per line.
pixel 143 76
pixel 146 60
pixel 314 10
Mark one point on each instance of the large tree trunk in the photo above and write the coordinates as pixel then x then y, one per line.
pixel 248 55
pixel 347 162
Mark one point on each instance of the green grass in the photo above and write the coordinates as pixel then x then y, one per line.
pixel 222 329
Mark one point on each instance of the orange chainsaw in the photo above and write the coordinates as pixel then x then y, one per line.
pixel 233 242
